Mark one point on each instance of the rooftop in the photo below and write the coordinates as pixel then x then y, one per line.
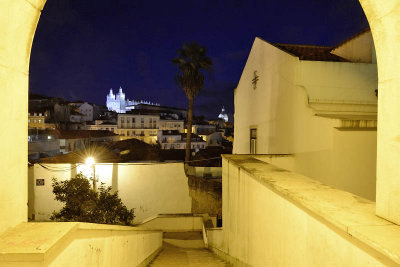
pixel 311 52
pixel 159 107
pixel 75 134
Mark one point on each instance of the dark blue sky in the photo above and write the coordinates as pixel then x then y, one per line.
pixel 82 48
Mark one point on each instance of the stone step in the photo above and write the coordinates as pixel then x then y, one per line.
pixel 189 235
pixel 185 243
pixel 172 255
pixel 189 239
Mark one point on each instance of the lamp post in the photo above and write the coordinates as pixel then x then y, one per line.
pixel 91 162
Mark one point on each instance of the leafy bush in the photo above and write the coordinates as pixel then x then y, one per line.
pixel 83 204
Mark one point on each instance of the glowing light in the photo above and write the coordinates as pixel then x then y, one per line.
pixel 90 161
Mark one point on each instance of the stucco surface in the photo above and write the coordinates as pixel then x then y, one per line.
pixel 18 22
pixel 384 19
pixel 173 223
pixel 149 189
pixel 80 244
pixel 287 106
pixel 361 49
pixel 274 217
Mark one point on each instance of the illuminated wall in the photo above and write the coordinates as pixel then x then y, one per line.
pixel 149 189
pixel 305 108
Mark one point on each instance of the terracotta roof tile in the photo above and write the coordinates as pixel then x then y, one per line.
pixel 311 52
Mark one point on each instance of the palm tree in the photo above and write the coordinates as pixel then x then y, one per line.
pixel 193 64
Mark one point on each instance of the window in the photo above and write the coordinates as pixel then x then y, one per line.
pixel 40 121
pixel 122 120
pixel 128 120
pixel 133 120
pixel 142 120
pixel 34 121
pixel 29 120
pixel 253 141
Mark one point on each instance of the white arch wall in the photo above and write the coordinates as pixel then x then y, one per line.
pixel 384 19
pixel 18 21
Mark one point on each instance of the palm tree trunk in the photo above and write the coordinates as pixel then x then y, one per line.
pixel 189 130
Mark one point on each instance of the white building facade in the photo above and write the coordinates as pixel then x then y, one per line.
pixel 140 126
pixel 85 109
pixel 103 125
pixel 171 124
pixel 175 140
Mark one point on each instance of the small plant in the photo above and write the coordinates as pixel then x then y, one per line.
pixel 83 204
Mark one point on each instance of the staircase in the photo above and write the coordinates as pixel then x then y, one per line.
pixel 185 249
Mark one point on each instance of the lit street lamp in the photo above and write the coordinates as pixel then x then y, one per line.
pixel 91 162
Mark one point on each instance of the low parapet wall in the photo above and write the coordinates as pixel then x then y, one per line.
pixel 78 244
pixel 174 223
pixel 274 217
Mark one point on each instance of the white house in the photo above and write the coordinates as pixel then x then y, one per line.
pixel 139 124
pixel 175 140
pixel 103 125
pixel 171 122
pixel 316 103
pixel 85 109
pixel 75 116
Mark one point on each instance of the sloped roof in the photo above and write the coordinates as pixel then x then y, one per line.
pixel 311 52
pixel 351 38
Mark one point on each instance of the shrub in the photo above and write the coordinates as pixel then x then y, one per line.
pixel 83 204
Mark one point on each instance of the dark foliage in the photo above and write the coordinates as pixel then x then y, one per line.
pixel 83 204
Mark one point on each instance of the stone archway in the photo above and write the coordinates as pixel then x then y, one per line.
pixel 384 19
pixel 18 21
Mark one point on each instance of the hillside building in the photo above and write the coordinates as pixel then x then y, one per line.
pixel 175 140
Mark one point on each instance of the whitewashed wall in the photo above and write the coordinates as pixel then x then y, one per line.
pixel 149 189
pixel 277 218
pixel 286 124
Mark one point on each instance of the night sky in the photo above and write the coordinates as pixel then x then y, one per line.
pixel 82 48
